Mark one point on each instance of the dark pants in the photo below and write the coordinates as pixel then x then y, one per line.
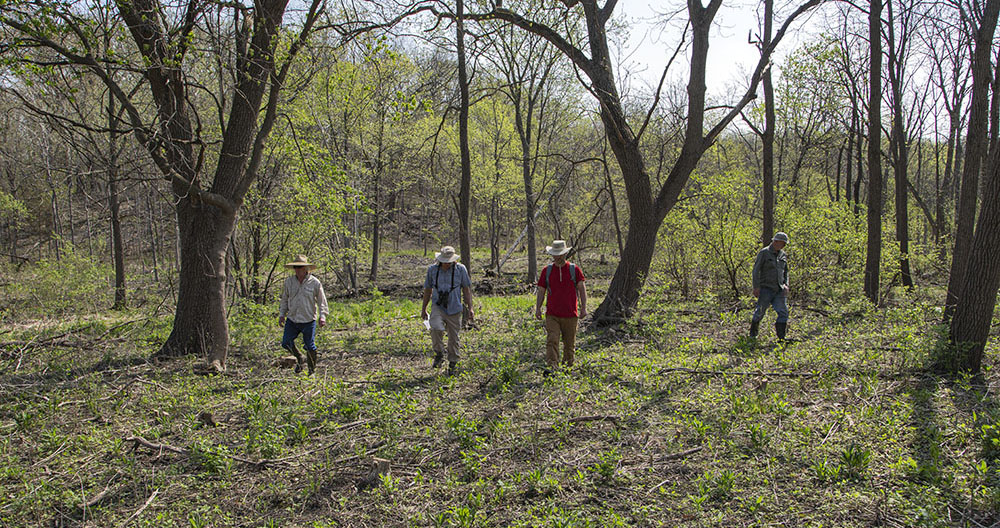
pixel 308 331
pixel 774 299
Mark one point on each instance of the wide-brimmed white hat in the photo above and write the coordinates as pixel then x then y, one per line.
pixel 301 260
pixel 558 247
pixel 447 254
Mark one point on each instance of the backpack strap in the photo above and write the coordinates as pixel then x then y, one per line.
pixel 548 275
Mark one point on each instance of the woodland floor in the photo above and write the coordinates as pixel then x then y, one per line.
pixel 672 420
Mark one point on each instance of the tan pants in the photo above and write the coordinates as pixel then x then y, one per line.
pixel 556 327
pixel 440 323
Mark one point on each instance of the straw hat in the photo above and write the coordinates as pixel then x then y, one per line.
pixel 447 254
pixel 558 247
pixel 301 260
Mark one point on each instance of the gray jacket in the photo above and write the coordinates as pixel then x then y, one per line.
pixel 770 270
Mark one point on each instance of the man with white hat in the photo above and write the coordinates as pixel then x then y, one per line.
pixel 446 283
pixel 301 295
pixel 563 281
pixel 770 285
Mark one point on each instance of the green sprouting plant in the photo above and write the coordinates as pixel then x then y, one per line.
pixel 824 471
pixel 472 461
pixel 211 458
pixel 752 504
pixel 855 460
pixel 607 465
pixel 698 500
pixel 461 517
pixel 388 484
pixel 758 436
pixel 717 486
pixel 700 428
pixel 440 520
pixel 196 520
pixel 507 371
pixel 464 430
pixel 297 432
pixel 990 438
pixel 540 484
pixel 345 408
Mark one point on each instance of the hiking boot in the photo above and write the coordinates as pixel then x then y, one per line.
pixel 312 357
pixel 438 359
pixel 452 365
pixel 754 328
pixel 780 329
pixel 298 358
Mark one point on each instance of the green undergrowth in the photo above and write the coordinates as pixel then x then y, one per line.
pixel 674 419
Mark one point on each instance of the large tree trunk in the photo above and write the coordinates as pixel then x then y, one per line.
pixel 767 227
pixel 975 151
pixel 973 315
pixel 873 255
pixel 633 267
pixel 465 190
pixel 200 325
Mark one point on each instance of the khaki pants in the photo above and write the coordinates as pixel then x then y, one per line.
pixel 440 323
pixel 556 327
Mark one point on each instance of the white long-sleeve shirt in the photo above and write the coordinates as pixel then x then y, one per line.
pixel 300 300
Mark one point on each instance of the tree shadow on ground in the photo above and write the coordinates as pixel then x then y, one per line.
pixel 104 366
pixel 973 403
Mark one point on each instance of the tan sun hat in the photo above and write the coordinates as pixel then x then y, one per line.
pixel 447 254
pixel 558 247
pixel 301 260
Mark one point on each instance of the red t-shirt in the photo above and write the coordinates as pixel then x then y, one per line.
pixel 561 300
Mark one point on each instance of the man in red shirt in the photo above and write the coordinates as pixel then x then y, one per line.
pixel 563 282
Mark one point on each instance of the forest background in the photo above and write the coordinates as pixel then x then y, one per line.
pixel 160 162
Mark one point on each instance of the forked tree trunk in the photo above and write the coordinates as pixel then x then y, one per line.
pixel 647 206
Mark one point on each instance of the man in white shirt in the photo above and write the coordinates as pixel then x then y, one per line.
pixel 301 295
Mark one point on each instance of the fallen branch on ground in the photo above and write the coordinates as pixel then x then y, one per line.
pixel 681 454
pixel 143 508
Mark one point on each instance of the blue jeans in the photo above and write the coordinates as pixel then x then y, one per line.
pixel 774 299
pixel 293 329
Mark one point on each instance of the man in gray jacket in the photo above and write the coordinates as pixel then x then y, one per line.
pixel 770 285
